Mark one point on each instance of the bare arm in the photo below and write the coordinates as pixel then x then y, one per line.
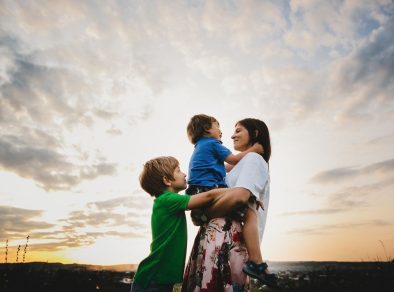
pixel 228 200
pixel 235 158
pixel 204 199
pixel 228 167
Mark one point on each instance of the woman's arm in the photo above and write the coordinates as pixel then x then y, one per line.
pixel 204 199
pixel 227 201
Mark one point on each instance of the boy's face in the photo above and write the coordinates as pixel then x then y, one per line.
pixel 179 182
pixel 214 131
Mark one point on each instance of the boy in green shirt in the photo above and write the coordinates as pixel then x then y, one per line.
pixel 162 178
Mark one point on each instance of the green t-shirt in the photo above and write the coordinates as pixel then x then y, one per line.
pixel 166 260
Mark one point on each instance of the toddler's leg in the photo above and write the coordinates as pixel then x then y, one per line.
pixel 251 236
pixel 225 204
pixel 255 267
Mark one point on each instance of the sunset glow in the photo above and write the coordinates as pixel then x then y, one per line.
pixel 90 91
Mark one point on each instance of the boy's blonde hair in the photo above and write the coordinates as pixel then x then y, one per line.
pixel 151 177
pixel 198 126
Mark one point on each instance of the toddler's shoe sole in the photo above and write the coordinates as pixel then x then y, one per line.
pixel 271 280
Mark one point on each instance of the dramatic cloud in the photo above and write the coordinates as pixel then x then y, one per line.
pixel 49 169
pixel 121 217
pixel 383 140
pixel 384 168
pixel 366 75
pixel 17 223
pixel 89 92
pixel 326 211
pixel 354 187
pixel 329 228
pixel 49 91
pixel 109 217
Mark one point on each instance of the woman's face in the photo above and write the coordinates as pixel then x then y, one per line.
pixel 240 138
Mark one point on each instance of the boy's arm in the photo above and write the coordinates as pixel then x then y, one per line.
pixel 204 199
pixel 235 158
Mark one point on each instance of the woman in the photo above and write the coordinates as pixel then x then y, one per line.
pixel 219 253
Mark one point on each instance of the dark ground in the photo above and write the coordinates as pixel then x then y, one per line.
pixel 332 276
pixel 47 277
pixel 295 276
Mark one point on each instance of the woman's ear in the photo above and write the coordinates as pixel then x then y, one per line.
pixel 166 181
pixel 256 133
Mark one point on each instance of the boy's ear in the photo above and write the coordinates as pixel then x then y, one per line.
pixel 166 181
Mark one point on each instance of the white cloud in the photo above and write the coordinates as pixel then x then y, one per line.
pixel 88 92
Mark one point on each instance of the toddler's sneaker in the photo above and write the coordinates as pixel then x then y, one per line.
pixel 259 272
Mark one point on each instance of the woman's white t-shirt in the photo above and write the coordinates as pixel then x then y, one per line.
pixel 251 173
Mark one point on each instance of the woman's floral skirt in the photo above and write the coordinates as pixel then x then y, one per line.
pixel 217 258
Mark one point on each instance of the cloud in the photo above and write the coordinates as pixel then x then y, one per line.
pixel 359 196
pixel 315 212
pixel 17 223
pixel 381 140
pixel 342 54
pixel 334 175
pixel 310 26
pixel 122 217
pixel 120 211
pixel 62 61
pixel 335 25
pixel 327 228
pixel 383 168
pixel 352 189
pixel 133 201
pixel 81 83
pixel 356 186
pixel 365 76
pixel 348 198
pixel 50 169
pixel 112 217
pixel 61 79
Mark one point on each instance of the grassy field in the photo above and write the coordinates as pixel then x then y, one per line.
pixel 297 276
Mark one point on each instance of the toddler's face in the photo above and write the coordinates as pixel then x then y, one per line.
pixel 215 131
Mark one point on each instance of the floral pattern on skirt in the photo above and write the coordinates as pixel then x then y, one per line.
pixel 216 260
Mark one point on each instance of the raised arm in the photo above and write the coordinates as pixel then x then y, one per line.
pixel 235 158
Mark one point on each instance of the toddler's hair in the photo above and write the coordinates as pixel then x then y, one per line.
pixel 198 126
pixel 151 177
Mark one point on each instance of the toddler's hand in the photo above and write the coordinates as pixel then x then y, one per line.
pixel 258 148
pixel 259 204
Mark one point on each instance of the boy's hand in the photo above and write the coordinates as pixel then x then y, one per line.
pixel 197 222
pixel 198 217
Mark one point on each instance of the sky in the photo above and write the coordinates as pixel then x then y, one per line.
pixel 91 90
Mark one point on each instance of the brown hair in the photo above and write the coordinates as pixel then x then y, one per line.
pixel 151 177
pixel 258 132
pixel 198 126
